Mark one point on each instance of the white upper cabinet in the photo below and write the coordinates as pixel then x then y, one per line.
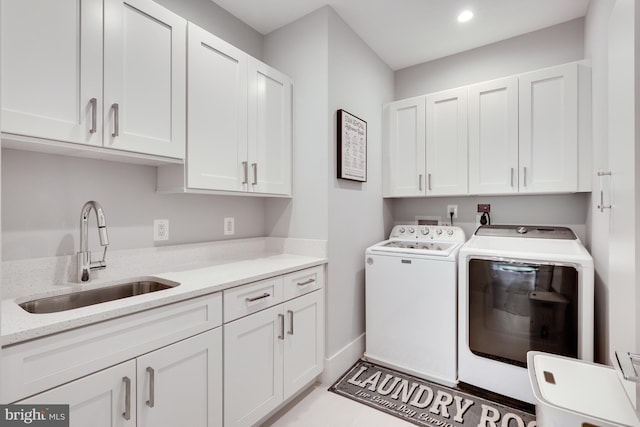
pixel 404 159
pixel 52 69
pixel 53 63
pixel 493 137
pixel 217 119
pixel 270 129
pixel 426 145
pixel 239 123
pixel 447 143
pixel 549 130
pixel 144 78
pixel 528 133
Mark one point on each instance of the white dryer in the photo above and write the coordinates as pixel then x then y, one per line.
pixel 521 288
pixel 410 295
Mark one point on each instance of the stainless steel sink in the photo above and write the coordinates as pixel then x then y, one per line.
pixel 95 296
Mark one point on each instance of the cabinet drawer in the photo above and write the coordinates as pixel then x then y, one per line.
pixel 34 366
pixel 251 298
pixel 303 281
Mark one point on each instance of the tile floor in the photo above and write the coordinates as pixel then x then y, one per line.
pixel 318 407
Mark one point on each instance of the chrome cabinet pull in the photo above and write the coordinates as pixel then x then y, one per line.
pixel 429 182
pixel 255 173
pixel 420 182
pixel 281 319
pixel 512 172
pixel 602 206
pixel 253 299
pixel 246 173
pixel 94 115
pixel 116 120
pixel 127 398
pixel 290 313
pixel 306 282
pixel 152 387
pixel 524 176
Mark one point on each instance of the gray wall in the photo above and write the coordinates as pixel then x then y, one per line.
pixel 539 49
pixel 333 69
pixel 359 82
pixel 551 46
pixel 42 195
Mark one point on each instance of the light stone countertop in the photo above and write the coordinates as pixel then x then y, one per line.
pixel 19 325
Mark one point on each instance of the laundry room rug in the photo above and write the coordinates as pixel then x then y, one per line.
pixel 422 402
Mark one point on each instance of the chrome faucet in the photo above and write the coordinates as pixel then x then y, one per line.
pixel 84 256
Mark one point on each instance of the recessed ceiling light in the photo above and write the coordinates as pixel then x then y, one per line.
pixel 465 16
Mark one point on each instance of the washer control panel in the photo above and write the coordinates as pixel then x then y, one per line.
pixel 428 232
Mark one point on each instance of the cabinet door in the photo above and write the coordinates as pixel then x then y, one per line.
pixel 217 114
pixel 304 344
pixel 144 78
pixel 52 69
pixel 404 166
pixel 103 399
pixel 270 130
pixel 253 348
pixel 447 142
pixel 181 385
pixel 549 130
pixel 493 137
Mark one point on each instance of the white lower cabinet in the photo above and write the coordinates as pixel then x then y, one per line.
pixel 180 384
pixel 102 399
pixel 272 354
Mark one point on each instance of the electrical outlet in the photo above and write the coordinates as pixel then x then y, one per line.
pixel 229 226
pixel 454 209
pixel 160 229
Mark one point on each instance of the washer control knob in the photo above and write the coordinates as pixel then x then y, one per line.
pixel 439 231
pixel 425 230
pixel 412 230
pixel 401 229
pixel 450 232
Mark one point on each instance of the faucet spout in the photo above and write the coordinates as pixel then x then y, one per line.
pixel 84 255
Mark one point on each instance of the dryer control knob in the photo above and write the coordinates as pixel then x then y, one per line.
pixel 450 232
pixel 401 230
pixel 425 230
pixel 412 230
pixel 439 231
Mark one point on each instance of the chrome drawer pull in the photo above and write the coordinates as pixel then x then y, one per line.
pixel 152 387
pixel 254 299
pixel 94 116
pixel 255 173
pixel 290 313
pixel 246 173
pixel 420 182
pixel 305 283
pixel 116 120
pixel 127 398
pixel 281 319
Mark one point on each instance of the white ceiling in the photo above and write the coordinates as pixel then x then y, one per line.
pixel 409 32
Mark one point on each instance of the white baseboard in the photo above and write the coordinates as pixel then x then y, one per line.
pixel 337 364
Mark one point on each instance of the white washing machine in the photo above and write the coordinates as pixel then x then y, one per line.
pixel 521 288
pixel 410 297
